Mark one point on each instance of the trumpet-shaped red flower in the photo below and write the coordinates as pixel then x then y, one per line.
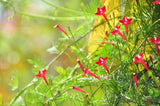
pixel 101 11
pixel 78 89
pixel 80 64
pixel 135 79
pixel 125 21
pixel 116 30
pixel 42 74
pixel 156 2
pixel 155 40
pixel 148 101
pixel 87 72
pixel 139 58
pixel 57 26
pixel 102 61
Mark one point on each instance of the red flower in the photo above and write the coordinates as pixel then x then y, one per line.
pixel 139 58
pixel 116 30
pixel 57 26
pixel 125 21
pixel 135 79
pixel 155 40
pixel 156 2
pixel 148 101
pixel 101 11
pixel 87 72
pixel 80 64
pixel 102 61
pixel 78 89
pixel 42 74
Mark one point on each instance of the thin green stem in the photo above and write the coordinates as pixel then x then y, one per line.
pixel 52 18
pixel 129 99
pixel 69 57
pixel 74 41
pixel 96 90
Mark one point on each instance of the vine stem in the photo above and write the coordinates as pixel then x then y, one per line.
pixel 96 90
pixel 53 18
pixel 131 100
pixel 128 98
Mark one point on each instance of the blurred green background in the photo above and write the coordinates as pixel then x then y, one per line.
pixel 23 37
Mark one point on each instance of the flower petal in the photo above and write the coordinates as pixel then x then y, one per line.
pixel 78 89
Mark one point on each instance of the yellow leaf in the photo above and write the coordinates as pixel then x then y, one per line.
pixel 113 11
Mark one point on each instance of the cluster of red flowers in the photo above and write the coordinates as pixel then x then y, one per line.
pixel 102 61
pixel 125 21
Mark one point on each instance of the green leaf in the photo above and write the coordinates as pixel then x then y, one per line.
pixel 61 71
pixel 53 50
pixel 150 91
pixel 38 64
pixel 43 89
pixel 34 98
pixel 19 102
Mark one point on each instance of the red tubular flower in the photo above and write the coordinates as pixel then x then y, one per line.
pixel 135 79
pixel 156 2
pixel 102 61
pixel 125 21
pixel 101 11
pixel 148 101
pixel 57 26
pixel 139 58
pixel 42 74
pixel 116 30
pixel 155 40
pixel 87 72
pixel 78 89
pixel 80 64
